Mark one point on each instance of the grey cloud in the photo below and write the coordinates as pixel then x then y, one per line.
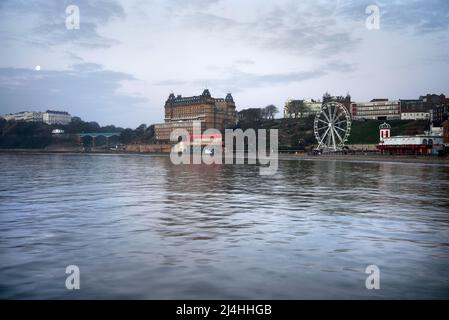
pixel 244 61
pixel 237 80
pixel 48 27
pixel 340 66
pixel 86 90
pixel 86 36
pixel 306 28
pixel 196 4
pixel 211 22
pixel 73 56
pixel 424 16
pixel 323 28
pixel 302 28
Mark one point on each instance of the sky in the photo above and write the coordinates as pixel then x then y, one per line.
pixel 127 56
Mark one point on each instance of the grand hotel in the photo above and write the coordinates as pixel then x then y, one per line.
pixel 181 112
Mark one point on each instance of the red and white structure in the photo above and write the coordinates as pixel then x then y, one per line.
pixel 384 131
pixel 425 144
pixel 203 140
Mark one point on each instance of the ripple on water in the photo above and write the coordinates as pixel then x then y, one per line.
pixel 140 227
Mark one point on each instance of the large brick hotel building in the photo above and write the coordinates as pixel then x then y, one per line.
pixel 180 112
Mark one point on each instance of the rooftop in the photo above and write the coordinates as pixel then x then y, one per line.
pixel 204 97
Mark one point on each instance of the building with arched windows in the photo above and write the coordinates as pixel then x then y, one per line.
pixel 181 112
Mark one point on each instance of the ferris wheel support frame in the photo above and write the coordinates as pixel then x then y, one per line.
pixel 335 122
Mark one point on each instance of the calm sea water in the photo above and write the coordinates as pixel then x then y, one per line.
pixel 139 227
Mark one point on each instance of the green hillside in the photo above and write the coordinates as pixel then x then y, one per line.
pixel 366 132
pixel 298 133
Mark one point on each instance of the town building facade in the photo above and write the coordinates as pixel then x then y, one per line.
pixel 439 113
pixel 182 112
pixel 445 129
pixel 376 109
pixel 49 117
pixel 56 117
pixel 415 115
pixel 26 116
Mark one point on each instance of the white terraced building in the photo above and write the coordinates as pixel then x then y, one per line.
pixel 48 117
pixel 376 109
pixel 56 117
pixel 27 116
pixel 412 115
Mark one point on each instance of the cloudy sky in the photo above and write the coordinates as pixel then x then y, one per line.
pixel 128 55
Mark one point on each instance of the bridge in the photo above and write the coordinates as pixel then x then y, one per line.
pixel 98 134
pixel 94 135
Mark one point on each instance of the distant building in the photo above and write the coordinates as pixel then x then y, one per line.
pixel 434 99
pixel 410 105
pixel 57 131
pixel 415 145
pixel 376 109
pixel 48 117
pixel 314 106
pixel 439 113
pixel 27 116
pixel 301 108
pixel 346 101
pixel 412 115
pixel 56 117
pixel 180 112
pixel 438 106
pixel 415 109
pixel 446 133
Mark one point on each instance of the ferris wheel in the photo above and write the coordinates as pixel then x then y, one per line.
pixel 332 126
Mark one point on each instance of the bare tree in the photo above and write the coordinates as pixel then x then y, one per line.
pixel 270 111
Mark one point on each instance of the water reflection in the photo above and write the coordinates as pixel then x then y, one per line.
pixel 140 227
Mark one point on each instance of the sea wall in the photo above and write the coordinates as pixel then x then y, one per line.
pixel 148 148
pixel 362 147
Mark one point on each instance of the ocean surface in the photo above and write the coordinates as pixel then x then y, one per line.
pixel 138 226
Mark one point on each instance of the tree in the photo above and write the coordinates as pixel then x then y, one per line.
pixel 111 128
pixel 297 108
pixel 127 136
pixel 303 109
pixel 149 134
pixel 250 115
pixel 94 126
pixel 144 134
pixel 270 111
pixel 140 130
pixel 264 114
pixel 3 124
pixel 287 109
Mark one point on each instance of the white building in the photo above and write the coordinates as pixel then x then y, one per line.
pixel 302 108
pixel 56 117
pixel 415 115
pixel 314 106
pixel 27 116
pixel 48 117
pixel 57 131
pixel 413 140
pixel 376 109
